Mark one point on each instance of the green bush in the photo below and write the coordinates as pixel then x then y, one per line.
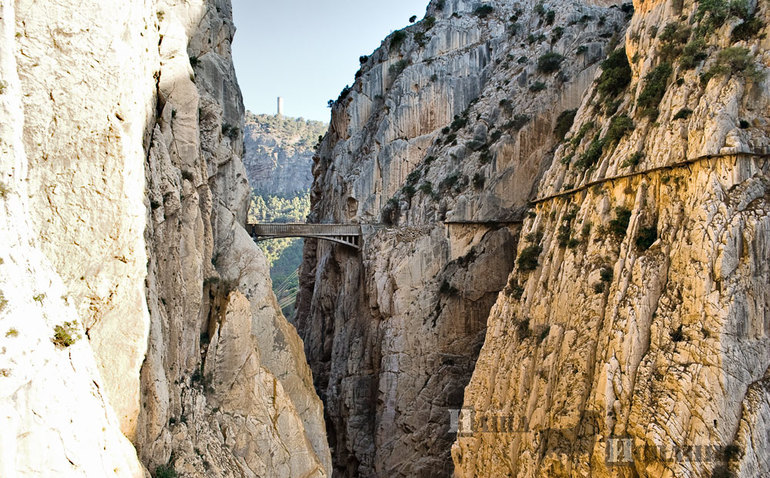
pixel 426 188
pixel 478 181
pixel 429 21
pixel 647 236
pixel 448 289
pixel 692 54
pixel 581 50
pixel 459 122
pixel 633 160
pixel 655 83
pixel 413 177
pixel 619 225
pixel 549 62
pixel 527 260
pixel 399 66
pixel 230 131
pixel 684 113
pixel 672 38
pixel 408 191
pixel 519 121
pixel 550 16
pixel 616 74
pixel 484 10
pixel 619 126
pixel 537 86
pixel 563 123
pixel 734 61
pixel 165 471
pixel 66 334
pixel 449 181
pixel 747 30
pixel 396 39
pixel 584 128
pixel 558 32
pixel 591 155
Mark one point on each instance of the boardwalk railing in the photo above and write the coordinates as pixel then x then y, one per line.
pixel 347 234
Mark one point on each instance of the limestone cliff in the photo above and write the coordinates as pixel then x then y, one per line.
pixel 631 339
pixel 440 139
pixel 278 153
pixel 133 302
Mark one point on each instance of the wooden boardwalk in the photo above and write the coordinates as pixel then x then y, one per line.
pixel 346 234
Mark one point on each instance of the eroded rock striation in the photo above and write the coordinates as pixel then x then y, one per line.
pixel 135 309
pixel 440 142
pixel 632 337
pixel 278 153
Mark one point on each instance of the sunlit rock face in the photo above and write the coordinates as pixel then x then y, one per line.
pixel 135 309
pixel 278 153
pixel 633 338
pixel 440 140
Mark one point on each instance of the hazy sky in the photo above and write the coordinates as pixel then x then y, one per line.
pixel 306 51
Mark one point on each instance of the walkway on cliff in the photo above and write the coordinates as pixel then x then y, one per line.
pixel 667 167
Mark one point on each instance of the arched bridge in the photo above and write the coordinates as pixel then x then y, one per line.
pixel 347 234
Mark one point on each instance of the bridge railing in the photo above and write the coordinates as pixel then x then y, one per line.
pixel 303 229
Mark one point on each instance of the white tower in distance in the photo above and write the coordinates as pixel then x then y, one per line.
pixel 280 106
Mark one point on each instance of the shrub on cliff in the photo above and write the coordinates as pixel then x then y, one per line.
pixel 165 471
pixel 616 74
pixel 564 123
pixel 66 334
pixel 527 260
pixel 549 63
pixel 484 10
pixel 396 39
pixel 655 84
pixel 734 61
pixel 619 126
pixel 619 225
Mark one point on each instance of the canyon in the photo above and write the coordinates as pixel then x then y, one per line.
pixel 565 261
pixel 572 273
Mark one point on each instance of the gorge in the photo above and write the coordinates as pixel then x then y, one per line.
pixel 565 266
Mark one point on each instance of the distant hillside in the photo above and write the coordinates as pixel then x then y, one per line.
pixel 278 157
pixel 279 153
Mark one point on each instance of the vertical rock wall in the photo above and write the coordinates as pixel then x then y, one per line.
pixel 633 337
pixel 124 198
pixel 439 141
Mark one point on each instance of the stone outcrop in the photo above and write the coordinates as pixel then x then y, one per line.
pixel 440 140
pixel 278 153
pixel 134 305
pixel 631 339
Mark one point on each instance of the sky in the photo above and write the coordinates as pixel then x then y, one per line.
pixel 306 51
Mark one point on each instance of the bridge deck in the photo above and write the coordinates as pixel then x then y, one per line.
pixel 347 234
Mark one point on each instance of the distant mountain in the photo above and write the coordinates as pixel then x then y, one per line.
pixel 279 152
pixel 278 156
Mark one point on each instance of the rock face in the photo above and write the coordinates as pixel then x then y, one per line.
pixel 641 348
pixel 278 153
pixel 441 140
pixel 133 302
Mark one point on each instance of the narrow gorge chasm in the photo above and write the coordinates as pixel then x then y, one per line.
pixel 563 267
